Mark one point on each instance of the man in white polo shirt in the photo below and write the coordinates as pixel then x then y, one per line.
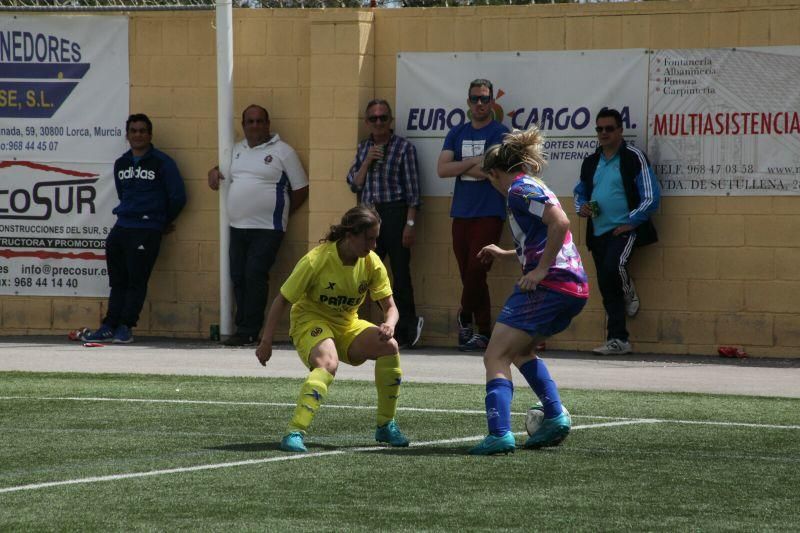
pixel 267 184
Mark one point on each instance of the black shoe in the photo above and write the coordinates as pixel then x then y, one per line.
pixel 402 340
pixel 238 339
pixel 477 343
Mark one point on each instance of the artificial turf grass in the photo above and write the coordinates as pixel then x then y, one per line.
pixel 661 476
pixel 691 406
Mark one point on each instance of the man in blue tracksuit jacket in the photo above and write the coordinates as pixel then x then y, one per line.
pixel 618 180
pixel 151 194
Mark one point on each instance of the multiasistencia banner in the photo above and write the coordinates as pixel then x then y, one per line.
pixel 714 122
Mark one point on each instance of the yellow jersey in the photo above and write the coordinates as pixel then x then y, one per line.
pixel 321 287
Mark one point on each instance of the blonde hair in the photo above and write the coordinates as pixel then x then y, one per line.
pixel 522 150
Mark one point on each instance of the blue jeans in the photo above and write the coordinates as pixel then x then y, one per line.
pixel 252 252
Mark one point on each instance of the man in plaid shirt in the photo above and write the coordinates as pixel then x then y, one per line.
pixel 384 175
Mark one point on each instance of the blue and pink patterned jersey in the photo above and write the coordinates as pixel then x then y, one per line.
pixel 527 198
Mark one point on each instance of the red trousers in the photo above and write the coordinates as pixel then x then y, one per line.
pixel 469 236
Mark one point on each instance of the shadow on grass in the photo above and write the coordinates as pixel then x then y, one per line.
pixel 461 451
pixel 257 447
pixel 252 447
pixel 432 450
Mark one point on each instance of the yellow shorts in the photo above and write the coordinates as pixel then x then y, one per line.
pixel 307 334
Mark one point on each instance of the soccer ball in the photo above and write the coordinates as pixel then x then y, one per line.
pixel 535 416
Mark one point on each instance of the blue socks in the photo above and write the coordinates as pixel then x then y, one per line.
pixel 499 393
pixel 538 377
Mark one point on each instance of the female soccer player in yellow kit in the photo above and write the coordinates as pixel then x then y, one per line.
pixel 325 290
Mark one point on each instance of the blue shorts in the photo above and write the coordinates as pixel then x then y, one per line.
pixel 540 313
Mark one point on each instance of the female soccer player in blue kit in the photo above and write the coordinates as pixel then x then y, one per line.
pixel 325 290
pixel 551 292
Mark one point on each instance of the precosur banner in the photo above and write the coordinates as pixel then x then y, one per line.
pixel 64 98
pixel 560 91
pixel 725 121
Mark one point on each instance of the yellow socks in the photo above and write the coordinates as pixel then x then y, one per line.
pixel 388 377
pixel 312 394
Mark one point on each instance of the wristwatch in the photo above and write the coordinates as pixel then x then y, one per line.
pixel 410 223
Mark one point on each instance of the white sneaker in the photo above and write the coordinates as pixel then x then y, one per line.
pixel 417 333
pixel 614 347
pixel 632 302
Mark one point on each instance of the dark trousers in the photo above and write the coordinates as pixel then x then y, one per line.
pixel 469 236
pixel 390 242
pixel 611 254
pixel 130 256
pixel 252 252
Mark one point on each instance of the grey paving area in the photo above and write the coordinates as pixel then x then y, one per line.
pixel 758 377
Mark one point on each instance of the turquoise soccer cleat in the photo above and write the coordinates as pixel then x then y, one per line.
pixel 493 445
pixel 551 433
pixel 391 434
pixel 293 442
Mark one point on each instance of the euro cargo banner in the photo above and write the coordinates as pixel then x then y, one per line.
pixel 560 91
pixel 714 122
pixel 64 99
pixel 725 121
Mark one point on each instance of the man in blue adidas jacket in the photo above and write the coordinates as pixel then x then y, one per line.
pixel 620 183
pixel 151 194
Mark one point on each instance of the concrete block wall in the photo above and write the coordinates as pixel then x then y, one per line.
pixel 173 80
pixel 342 73
pixel 724 271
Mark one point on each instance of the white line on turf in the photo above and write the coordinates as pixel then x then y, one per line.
pixel 216 466
pixel 35 486
pixel 372 407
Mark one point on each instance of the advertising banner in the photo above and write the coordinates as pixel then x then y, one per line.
pixel 560 91
pixel 725 121
pixel 64 98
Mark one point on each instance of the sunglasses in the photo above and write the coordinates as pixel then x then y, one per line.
pixel 607 129
pixel 474 99
pixel 376 118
